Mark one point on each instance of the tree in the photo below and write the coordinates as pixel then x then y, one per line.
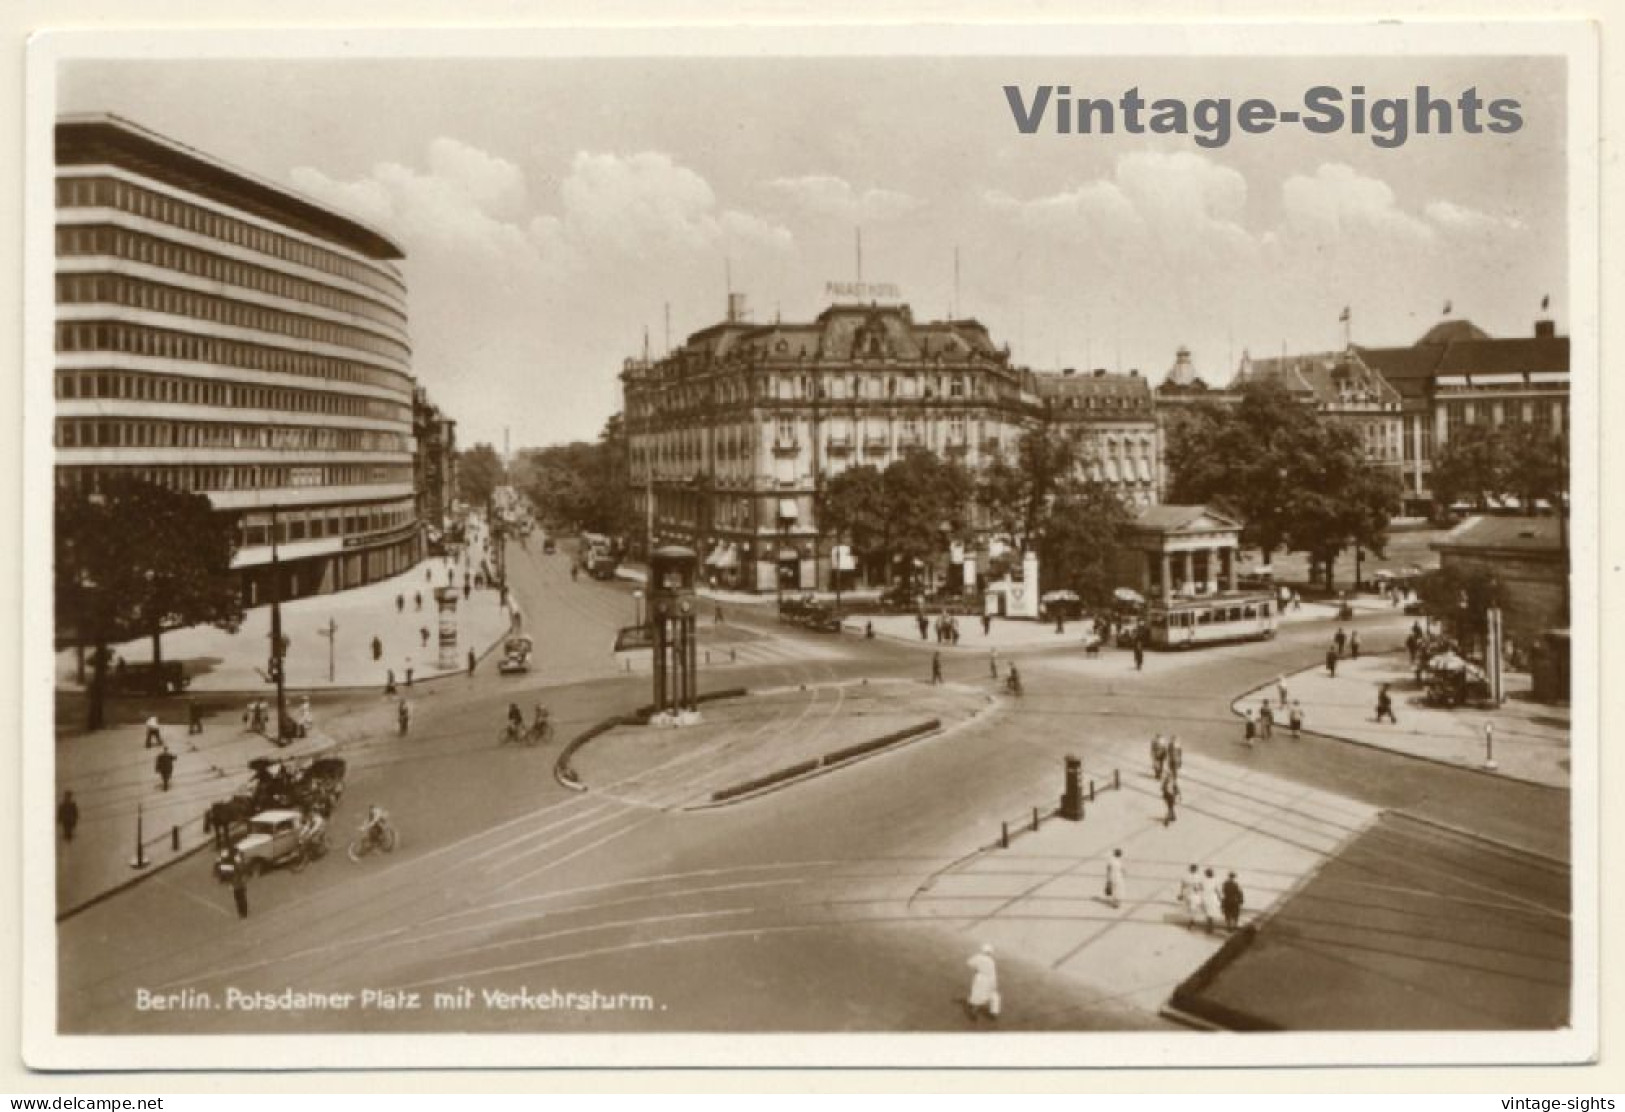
pixel 479 472
pixel 1461 599
pixel 927 501
pixel 1078 543
pixel 1471 468
pixel 852 510
pixel 1298 479
pixel 1537 466
pixel 582 484
pixel 136 559
pixel 1016 497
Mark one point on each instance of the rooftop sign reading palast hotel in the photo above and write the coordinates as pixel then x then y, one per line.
pixel 863 291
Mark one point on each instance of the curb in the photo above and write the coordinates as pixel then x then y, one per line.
pixel 123 885
pixel 1439 761
pixel 828 762
pixel 565 774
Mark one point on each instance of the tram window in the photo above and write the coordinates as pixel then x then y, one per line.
pixel 1250 612
pixel 1264 610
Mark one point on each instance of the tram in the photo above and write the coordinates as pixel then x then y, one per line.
pixel 1184 623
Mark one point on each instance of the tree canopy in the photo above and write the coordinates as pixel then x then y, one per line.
pixel 1298 479
pixel 136 559
pixel 580 485
pixel 479 472
pixel 1483 464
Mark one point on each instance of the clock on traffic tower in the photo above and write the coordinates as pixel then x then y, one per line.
pixel 671 612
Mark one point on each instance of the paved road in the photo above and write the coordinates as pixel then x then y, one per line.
pixel 789 912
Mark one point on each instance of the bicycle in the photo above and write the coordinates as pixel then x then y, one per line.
pixel 312 849
pixel 375 837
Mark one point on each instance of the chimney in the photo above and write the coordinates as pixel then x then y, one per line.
pixel 1545 330
pixel 736 308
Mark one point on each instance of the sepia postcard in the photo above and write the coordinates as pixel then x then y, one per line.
pixel 921 546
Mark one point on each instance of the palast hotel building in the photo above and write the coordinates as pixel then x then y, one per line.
pixel 732 435
pixel 221 334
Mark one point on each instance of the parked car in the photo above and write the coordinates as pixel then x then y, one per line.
pixel 549 547
pixel 169 678
pixel 272 838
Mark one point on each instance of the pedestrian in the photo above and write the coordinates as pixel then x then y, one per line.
pixel 1249 727
pixel 417 600
pixel 1412 641
pixel 1170 796
pixel 1060 620
pixel 408 671
pixel 155 737
pixel 953 631
pixel 403 715
pixel 307 720
pixel 239 884
pixel 67 815
pixel 987 624
pixel 1385 705
pixel 466 588
pixel 1190 894
pixel 1280 691
pixel 1176 755
pixel 194 716
pixel 1295 719
pixel 1297 602
pixel 983 999
pixel 1331 661
pixel 1114 878
pixel 1340 641
pixel 377 648
pixel 925 626
pixel 1354 644
pixel 400 604
pixel 993 663
pixel 389 682
pixel 165 766
pixel 868 631
pixel 423 636
pixel 1266 721
pixel 1139 655
pixel 936 667
pixel 716 618
pixel 1230 901
pixel 1210 900
pixel 1159 756
pixel 472 661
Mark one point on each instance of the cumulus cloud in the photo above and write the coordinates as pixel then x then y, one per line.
pixel 1459 218
pixel 828 195
pixel 1174 203
pixel 1338 203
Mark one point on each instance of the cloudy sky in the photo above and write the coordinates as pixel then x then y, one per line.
pixel 552 209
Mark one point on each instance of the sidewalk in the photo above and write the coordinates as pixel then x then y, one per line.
pixel 1005 633
pixel 221 661
pixel 1043 897
pixel 1531 739
pixel 112 776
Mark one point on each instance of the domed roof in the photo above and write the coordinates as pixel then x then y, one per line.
pixel 1454 332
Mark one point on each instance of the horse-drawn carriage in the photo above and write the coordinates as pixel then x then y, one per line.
pixel 313 783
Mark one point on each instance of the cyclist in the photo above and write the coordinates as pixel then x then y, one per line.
pixel 516 720
pixel 311 827
pixel 375 825
pixel 541 725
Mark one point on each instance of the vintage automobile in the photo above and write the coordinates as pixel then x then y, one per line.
pixel 272 839
pixel 549 547
pixel 515 655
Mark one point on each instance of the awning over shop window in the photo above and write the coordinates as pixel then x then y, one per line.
pixel 727 558
pixel 787 509
pixel 841 556
pixel 787 554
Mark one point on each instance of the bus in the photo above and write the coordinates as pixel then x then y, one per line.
pixel 598 556
pixel 1184 623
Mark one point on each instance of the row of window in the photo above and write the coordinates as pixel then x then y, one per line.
pixel 79 240
pixel 1528 412
pixel 251 476
pixel 254 529
pixel 164 343
pixel 185 390
pixel 104 433
pixel 138 293
pixel 80 192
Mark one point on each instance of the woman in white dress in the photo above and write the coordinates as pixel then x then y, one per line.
pixel 984 985
pixel 1190 894
pixel 1210 900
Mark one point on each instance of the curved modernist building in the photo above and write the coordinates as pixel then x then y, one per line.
pixel 219 333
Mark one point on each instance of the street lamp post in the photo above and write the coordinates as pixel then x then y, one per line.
pixel 277 660
pixel 637 608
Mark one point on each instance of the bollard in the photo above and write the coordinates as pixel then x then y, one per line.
pixel 175 838
pixel 140 859
pixel 1072 796
pixel 1091 791
pixel 1035 820
pixel 1117 780
pixel 1004 835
